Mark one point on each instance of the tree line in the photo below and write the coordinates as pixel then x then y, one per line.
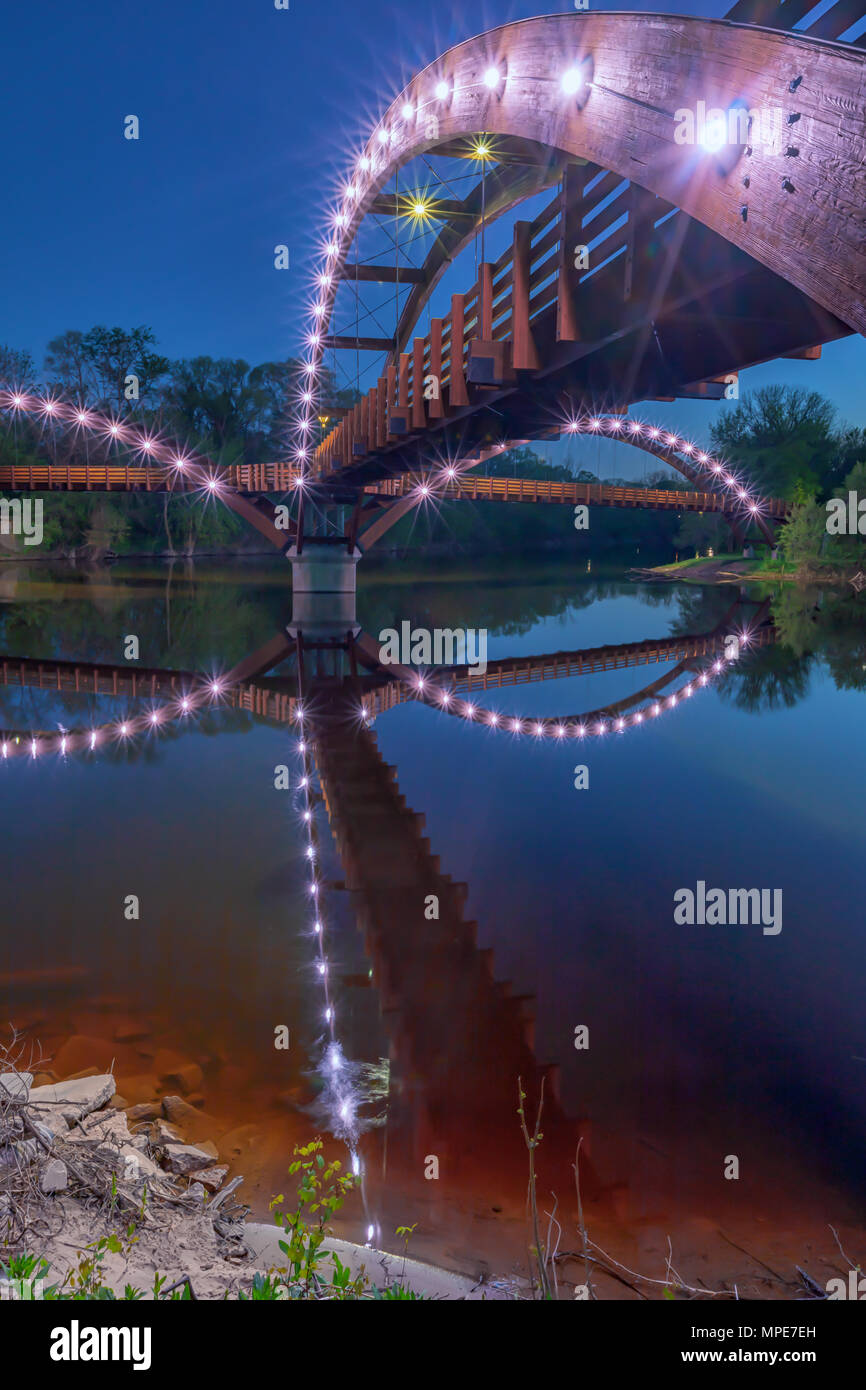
pixel 222 407
pixel 788 442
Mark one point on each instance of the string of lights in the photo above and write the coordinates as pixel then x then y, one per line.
pixel 113 431
pixel 416 687
pixel 370 165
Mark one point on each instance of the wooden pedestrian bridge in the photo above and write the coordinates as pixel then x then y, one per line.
pixel 653 264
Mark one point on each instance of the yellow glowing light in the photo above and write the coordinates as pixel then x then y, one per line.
pixel 482 150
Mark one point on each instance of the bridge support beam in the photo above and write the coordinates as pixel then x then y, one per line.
pixel 323 592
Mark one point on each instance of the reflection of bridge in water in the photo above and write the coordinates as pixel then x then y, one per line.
pixel 373 688
pixel 459 1039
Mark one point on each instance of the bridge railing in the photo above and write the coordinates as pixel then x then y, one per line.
pixel 279 477
pixel 535 287
pixel 474 487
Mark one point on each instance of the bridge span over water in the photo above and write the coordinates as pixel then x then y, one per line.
pixel 660 266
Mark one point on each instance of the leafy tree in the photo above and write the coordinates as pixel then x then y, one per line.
pixel 66 365
pixel 108 529
pixel 113 354
pixel 785 440
pixel 850 548
pixel 93 366
pixel 524 462
pixel 769 679
pixel 16 366
pixel 700 531
pixel 802 538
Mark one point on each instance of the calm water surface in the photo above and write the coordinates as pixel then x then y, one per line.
pixel 704 1041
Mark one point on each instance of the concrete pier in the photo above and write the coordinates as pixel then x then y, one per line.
pixel 323 591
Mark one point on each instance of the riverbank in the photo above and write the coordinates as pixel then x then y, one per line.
pixel 731 569
pixel 100 1198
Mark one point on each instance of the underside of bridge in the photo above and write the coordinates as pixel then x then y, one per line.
pixel 658 267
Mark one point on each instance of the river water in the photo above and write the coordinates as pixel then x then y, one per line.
pixel 674 1048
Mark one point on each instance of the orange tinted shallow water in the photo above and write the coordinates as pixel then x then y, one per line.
pixel 474 1218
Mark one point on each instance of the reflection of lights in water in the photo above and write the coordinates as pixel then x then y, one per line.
pixel 346 1088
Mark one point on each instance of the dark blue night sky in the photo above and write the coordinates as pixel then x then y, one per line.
pixel 247 115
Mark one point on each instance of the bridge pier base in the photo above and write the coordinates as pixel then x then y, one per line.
pixel 323 592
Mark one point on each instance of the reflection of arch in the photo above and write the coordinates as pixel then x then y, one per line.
pixel 706 656
pixel 185 694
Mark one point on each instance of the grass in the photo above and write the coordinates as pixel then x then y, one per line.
pixel 761 567
pixel 724 559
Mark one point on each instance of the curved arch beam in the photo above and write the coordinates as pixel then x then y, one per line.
pixel 184 471
pixel 703 470
pixel 505 189
pixel 804 215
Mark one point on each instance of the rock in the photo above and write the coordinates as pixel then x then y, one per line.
pixel 187 1079
pixel 46 1134
pixel 54 1176
pixel 118 1103
pixel 195 1124
pixel 146 1110
pixel 131 1030
pixel 74 1099
pixel 177 1071
pixel 163 1133
pixel 186 1158
pixel 136 1167
pixel 195 1189
pixel 108 1128
pixel 212 1178
pixel 27 1149
pixel 14 1083
pixel 80 1054
pixel 239 1141
pixel 48 1123
pixel 139 1088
